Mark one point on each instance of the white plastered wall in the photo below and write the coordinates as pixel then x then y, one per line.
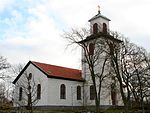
pixel 71 92
pixel 39 78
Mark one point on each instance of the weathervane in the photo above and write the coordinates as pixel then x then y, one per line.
pixel 99 9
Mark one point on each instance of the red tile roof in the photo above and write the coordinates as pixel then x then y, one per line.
pixel 59 72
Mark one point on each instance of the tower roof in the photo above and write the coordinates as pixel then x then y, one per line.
pixel 99 15
pixel 100 35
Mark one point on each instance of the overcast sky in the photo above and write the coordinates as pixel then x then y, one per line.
pixel 32 29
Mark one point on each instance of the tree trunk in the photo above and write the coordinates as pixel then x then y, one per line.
pixel 97 107
pixel 95 90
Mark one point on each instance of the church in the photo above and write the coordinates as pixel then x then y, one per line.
pixel 61 87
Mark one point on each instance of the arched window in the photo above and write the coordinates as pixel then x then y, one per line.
pixel 39 91
pixel 62 91
pixel 92 92
pixel 113 94
pixel 91 48
pixel 20 93
pixel 78 92
pixel 95 28
pixel 30 76
pixel 104 28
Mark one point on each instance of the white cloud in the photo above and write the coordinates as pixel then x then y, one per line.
pixel 40 39
pixel 131 18
pixel 5 4
pixel 75 12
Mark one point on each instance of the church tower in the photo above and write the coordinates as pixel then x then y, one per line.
pixel 99 23
pixel 94 54
pixel 99 27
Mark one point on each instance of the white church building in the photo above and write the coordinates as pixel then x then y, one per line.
pixel 60 87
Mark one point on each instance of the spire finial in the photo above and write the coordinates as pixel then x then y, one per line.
pixel 99 9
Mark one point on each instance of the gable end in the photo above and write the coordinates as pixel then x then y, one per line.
pixel 30 62
pixel 21 72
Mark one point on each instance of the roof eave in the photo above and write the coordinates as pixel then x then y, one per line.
pixel 97 16
pixel 98 35
pixel 16 79
pixel 56 77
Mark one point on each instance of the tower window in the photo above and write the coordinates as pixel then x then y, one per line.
pixel 62 91
pixel 91 48
pixel 39 91
pixel 78 92
pixel 95 28
pixel 92 92
pixel 20 93
pixel 104 28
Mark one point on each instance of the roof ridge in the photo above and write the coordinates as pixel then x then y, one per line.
pixel 55 65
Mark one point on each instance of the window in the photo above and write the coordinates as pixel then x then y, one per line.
pixel 95 28
pixel 29 99
pixel 92 92
pixel 39 91
pixel 104 28
pixel 30 76
pixel 113 94
pixel 78 92
pixel 91 48
pixel 20 93
pixel 62 91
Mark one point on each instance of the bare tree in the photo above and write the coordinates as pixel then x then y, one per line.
pixel 140 74
pixel 3 63
pixel 3 66
pixel 16 69
pixel 94 57
pixel 131 66
pixel 2 94
pixel 29 92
